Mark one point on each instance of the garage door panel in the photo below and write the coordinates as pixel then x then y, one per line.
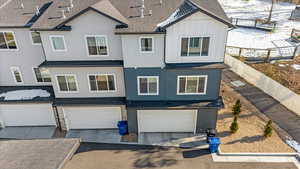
pixel 27 114
pixel 92 117
pixel 167 120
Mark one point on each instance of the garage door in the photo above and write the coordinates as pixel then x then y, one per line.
pixel 92 117
pixel 27 114
pixel 167 120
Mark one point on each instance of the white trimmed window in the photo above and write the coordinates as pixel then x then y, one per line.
pixel 102 83
pixel 36 38
pixel 17 74
pixel 42 75
pixel 191 84
pixel 148 85
pixel 58 43
pixel 97 45
pixel 67 83
pixel 7 41
pixel 195 46
pixel 146 44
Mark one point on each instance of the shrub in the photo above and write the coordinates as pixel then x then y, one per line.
pixel 236 109
pixel 234 125
pixel 268 129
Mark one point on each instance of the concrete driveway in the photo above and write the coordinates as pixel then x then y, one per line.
pixel 113 156
pixel 27 132
pixel 112 136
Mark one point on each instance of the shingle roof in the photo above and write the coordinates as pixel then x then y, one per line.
pixel 12 15
pixel 126 12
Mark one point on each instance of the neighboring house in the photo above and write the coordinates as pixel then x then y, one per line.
pixel 21 53
pixel 155 63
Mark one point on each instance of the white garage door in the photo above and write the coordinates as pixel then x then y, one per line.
pixel 27 114
pixel 167 120
pixel 92 117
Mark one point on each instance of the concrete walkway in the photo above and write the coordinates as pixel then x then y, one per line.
pixel 278 113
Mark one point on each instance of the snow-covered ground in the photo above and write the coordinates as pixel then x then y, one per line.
pixel 251 9
pixel 25 94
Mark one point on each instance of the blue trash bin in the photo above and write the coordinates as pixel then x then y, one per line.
pixel 214 143
pixel 123 127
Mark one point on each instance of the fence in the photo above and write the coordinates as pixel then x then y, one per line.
pixel 253 23
pixel 262 55
pixel 282 94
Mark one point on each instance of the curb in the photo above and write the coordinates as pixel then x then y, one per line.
pixel 220 153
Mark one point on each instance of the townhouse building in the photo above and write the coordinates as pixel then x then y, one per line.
pixel 155 63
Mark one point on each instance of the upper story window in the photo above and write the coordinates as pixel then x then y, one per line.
pixel 97 45
pixel 17 74
pixel 58 43
pixel 195 46
pixel 148 85
pixel 191 84
pixel 67 83
pixel 42 75
pixel 7 41
pixel 146 44
pixel 102 83
pixel 36 38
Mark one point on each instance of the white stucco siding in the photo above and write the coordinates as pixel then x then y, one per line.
pixel 133 57
pixel 25 57
pixel 201 25
pixel 83 88
pixel 89 23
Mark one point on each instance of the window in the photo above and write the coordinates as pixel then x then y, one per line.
pixel 67 83
pixel 148 85
pixel 102 83
pixel 191 84
pixel 36 38
pixel 146 44
pixel 42 75
pixel 97 45
pixel 17 74
pixel 7 41
pixel 58 43
pixel 194 46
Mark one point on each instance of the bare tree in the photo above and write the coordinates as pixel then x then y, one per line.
pixel 270 13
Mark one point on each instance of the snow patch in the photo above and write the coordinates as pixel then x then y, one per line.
pixel 296 66
pixel 25 94
pixel 253 9
pixel 294 144
pixel 170 19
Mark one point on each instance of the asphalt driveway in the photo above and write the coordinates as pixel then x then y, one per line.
pixel 110 156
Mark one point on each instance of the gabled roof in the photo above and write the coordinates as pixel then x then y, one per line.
pixel 52 18
pixel 125 12
pixel 12 15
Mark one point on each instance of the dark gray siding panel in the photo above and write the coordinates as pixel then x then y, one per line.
pixel 168 83
pixel 206 119
pixel 131 75
pixel 213 84
pixel 132 120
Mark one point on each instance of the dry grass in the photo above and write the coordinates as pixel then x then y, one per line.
pixel 249 137
pixel 287 76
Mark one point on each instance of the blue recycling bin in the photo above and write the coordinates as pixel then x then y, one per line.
pixel 214 143
pixel 123 127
